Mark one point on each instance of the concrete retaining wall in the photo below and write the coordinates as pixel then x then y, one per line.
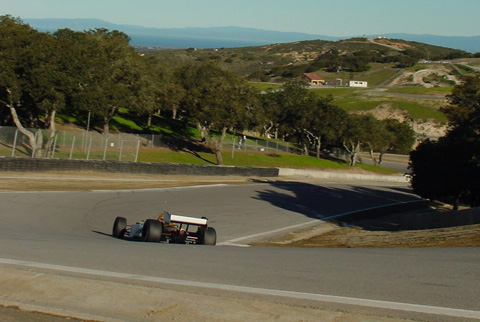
pixel 380 211
pixel 35 165
pixel 38 165
pixel 340 176
pixel 441 219
pixel 415 221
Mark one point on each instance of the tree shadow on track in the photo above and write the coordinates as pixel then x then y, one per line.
pixel 321 202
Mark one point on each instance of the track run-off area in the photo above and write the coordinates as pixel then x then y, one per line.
pixel 69 234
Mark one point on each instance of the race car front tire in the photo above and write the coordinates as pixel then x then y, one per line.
pixel 210 236
pixel 152 231
pixel 119 227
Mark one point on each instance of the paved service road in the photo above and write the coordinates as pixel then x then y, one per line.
pixel 397 166
pixel 73 229
pixel 406 95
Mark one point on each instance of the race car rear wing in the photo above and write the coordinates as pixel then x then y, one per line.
pixel 169 218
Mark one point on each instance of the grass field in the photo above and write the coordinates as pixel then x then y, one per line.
pixel 375 75
pixel 255 159
pixel 354 99
pixel 358 99
pixel 237 158
pixel 378 74
pixel 264 86
pixel 418 111
pixel 338 92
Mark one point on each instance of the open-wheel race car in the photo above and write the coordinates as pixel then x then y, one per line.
pixel 167 228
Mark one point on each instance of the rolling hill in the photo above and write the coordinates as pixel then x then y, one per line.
pixel 229 37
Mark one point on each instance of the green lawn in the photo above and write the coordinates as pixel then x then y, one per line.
pixel 123 122
pixel 377 74
pixel 339 92
pixel 253 159
pixel 264 86
pixel 418 111
pixel 352 99
pixel 237 158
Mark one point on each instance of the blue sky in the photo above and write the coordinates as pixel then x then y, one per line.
pixel 322 17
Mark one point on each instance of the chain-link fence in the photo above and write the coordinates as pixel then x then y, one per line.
pixel 69 145
pixel 89 145
pixel 253 144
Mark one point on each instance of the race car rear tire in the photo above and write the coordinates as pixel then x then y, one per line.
pixel 119 227
pixel 152 231
pixel 210 236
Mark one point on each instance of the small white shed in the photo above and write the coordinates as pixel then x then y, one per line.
pixel 357 84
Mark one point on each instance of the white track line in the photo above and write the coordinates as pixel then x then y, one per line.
pixel 119 190
pixel 459 313
pixel 232 242
pixel 206 179
pixel 165 188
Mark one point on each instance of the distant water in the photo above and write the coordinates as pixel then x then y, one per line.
pixel 184 42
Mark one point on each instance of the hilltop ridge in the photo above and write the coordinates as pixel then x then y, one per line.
pixel 231 36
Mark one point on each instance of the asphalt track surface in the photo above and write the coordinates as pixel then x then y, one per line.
pixel 72 229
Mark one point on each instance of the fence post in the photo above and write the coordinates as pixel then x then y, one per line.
pixel 54 145
pixel 105 148
pixel 14 143
pixel 153 139
pixel 85 145
pixel 82 145
pixel 138 148
pixel 121 149
pixel 73 144
pixel 287 148
pixel 277 147
pixel 89 147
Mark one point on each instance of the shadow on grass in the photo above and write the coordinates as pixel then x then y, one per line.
pixel 194 153
pixel 27 151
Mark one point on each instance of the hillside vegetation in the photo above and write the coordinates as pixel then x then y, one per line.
pixel 383 63
pixel 95 79
pixel 277 61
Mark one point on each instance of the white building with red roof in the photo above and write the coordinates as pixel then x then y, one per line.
pixel 312 79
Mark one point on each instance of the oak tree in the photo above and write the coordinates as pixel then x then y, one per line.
pixel 215 100
pixel 31 80
pixel 449 169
